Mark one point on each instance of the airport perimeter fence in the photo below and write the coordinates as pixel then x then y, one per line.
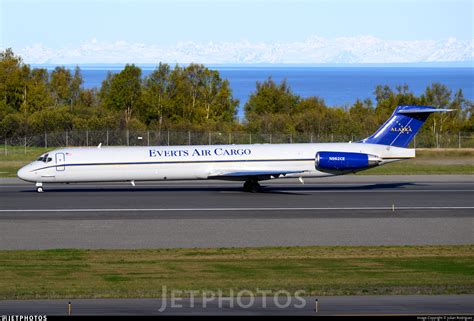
pixel 168 138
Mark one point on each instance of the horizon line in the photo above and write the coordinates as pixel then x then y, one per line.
pixel 437 64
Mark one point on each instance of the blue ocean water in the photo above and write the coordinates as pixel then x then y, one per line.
pixel 338 86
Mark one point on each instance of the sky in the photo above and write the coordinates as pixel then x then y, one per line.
pixel 242 31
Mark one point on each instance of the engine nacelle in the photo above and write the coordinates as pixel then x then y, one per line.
pixel 345 162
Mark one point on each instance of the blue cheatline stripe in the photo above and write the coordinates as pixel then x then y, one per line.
pixel 193 162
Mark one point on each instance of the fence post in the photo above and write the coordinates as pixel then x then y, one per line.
pixel 45 140
pixel 209 138
pixel 332 138
pixel 189 137
pixel 311 138
pixel 270 138
pixel 291 139
pixel 168 137
pixel 128 138
pixel 6 152
pixel 107 138
pixel 437 140
pixel 87 137
pixel 24 139
pixel 148 138
pixel 250 138
pixel 230 138
pixel 67 139
pixel 459 139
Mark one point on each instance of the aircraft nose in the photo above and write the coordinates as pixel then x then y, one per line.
pixel 25 174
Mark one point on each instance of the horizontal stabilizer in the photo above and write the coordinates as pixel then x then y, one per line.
pixel 423 110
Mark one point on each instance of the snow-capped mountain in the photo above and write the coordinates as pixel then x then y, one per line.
pixel 314 50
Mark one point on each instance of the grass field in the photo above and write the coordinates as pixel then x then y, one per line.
pixel 68 273
pixel 430 162
pixel 427 161
pixel 17 157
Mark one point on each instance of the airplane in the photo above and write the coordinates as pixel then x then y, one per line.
pixel 250 163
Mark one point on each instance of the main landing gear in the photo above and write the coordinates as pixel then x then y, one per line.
pixel 39 187
pixel 252 186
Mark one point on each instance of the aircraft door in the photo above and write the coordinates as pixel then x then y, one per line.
pixel 60 160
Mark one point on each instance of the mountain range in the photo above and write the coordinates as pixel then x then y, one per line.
pixel 314 50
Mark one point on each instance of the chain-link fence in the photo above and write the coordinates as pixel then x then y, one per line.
pixel 167 138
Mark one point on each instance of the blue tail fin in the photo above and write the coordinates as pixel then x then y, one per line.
pixel 402 126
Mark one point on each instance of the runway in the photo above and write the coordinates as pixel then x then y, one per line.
pixel 349 210
pixel 330 305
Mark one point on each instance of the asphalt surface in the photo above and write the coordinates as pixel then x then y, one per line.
pixel 349 210
pixel 331 305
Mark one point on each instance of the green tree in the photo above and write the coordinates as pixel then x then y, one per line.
pixel 60 82
pixel 194 97
pixel 309 115
pixel 468 117
pixel 51 120
pixel 37 95
pixel 362 118
pixel 386 101
pixel 270 107
pixel 156 95
pixel 14 124
pixel 437 95
pixel 13 79
pixel 221 107
pixel 216 105
pixel 271 98
pixel 76 86
pixel 123 92
pixel 89 98
pixel 193 76
pixel 455 121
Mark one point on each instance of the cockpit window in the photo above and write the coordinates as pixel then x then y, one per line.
pixel 45 159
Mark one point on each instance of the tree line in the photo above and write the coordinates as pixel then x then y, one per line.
pixel 275 108
pixel 33 100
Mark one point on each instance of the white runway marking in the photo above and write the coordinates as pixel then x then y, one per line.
pixel 367 191
pixel 307 189
pixel 241 209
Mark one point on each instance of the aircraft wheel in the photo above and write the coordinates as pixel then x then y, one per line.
pixel 39 189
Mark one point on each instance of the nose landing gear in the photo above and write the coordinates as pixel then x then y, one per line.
pixel 39 187
pixel 252 186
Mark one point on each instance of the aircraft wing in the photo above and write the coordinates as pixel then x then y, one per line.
pixel 242 174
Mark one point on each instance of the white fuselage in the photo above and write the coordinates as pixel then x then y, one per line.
pixel 191 162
